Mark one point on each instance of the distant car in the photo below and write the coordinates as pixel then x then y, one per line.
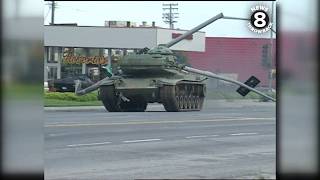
pixel 68 85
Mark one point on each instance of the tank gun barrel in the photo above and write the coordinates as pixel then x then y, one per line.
pixel 213 75
pixel 80 92
pixel 195 29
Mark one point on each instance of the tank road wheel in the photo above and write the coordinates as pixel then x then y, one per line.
pixel 202 95
pixel 169 98
pixel 190 102
pixel 180 102
pixel 185 102
pixel 193 105
pixel 197 102
pixel 109 98
pixel 183 97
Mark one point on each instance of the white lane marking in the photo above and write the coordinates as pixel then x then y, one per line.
pixel 141 140
pixel 190 137
pixel 89 144
pixel 240 134
pixel 153 122
pixel 60 134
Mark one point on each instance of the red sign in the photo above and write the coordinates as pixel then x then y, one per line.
pixel 175 35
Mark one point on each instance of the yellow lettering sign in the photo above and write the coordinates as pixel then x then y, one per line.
pixel 68 58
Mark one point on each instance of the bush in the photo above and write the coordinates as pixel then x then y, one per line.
pixel 70 96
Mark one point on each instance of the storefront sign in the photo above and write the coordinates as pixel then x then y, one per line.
pixel 68 58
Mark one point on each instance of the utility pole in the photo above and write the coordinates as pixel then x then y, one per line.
pixel 169 17
pixel 52 12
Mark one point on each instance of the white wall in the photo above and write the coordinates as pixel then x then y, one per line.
pixel 104 37
pixel 196 44
pixel 99 37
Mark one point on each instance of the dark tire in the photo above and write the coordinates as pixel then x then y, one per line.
pixel 109 99
pixel 169 99
pixel 113 103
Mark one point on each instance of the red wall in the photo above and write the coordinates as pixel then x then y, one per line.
pixel 233 55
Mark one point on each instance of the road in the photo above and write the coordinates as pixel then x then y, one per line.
pixel 225 140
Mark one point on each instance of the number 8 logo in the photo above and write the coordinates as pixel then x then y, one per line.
pixel 259 19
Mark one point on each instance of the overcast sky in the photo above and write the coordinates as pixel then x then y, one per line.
pixel 297 16
pixel 190 15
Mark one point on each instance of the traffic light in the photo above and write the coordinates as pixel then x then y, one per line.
pixel 266 60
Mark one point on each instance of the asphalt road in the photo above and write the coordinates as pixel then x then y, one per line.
pixel 224 140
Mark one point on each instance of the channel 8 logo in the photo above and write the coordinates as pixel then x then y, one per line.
pixel 259 20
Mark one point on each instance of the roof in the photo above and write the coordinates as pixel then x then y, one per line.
pixel 156 27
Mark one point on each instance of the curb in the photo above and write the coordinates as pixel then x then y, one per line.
pixel 75 108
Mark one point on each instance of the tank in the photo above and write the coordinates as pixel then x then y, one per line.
pixel 155 76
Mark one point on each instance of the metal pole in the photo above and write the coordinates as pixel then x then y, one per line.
pixel 213 75
pixel 271 50
pixel 236 18
pixel 197 28
pixel 52 12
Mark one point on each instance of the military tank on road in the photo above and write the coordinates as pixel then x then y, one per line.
pixel 154 75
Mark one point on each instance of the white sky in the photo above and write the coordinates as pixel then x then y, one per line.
pixel 297 16
pixel 190 15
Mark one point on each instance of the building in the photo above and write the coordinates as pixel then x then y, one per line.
pixel 238 58
pixel 72 49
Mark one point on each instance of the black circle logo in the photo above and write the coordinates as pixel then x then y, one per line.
pixel 259 19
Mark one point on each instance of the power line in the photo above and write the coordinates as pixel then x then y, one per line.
pixel 169 17
pixel 45 17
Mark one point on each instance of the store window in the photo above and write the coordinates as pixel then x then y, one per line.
pixel 71 69
pixel 54 54
pixel 52 72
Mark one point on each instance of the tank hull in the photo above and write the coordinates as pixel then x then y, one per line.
pixel 133 94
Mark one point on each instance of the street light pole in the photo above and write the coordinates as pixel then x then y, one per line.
pixel 52 12
pixel 271 50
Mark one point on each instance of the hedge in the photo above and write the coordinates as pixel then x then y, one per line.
pixel 70 96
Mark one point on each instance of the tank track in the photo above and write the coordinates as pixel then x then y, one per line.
pixel 113 102
pixel 183 97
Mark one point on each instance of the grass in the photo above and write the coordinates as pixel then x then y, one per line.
pixel 22 91
pixel 70 96
pixel 57 99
